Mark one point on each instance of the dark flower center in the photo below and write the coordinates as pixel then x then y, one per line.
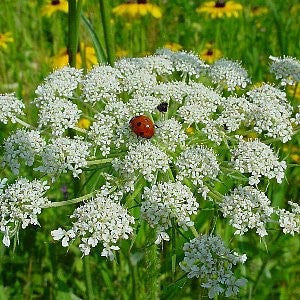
pixel 141 1
pixel 55 2
pixel 220 3
pixel 209 52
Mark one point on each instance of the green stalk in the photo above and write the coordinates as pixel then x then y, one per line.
pixel 152 273
pixel 74 20
pixel 86 259
pixel 100 161
pixel 107 30
pixel 69 202
pixel 88 278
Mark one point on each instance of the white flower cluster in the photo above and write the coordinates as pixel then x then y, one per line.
pixel 170 134
pixel 135 79
pixel 10 108
pixel 247 208
pixel 23 145
pixel 199 104
pixel 59 114
pixel 102 83
pixel 271 112
pixel 60 84
pixel 174 90
pixel 235 112
pixel 143 159
pixel 64 154
pixel 184 62
pixel 198 163
pixel 229 73
pixel 258 159
pixel 139 105
pixel 208 258
pixel 166 201
pixel 101 132
pixel 287 69
pixel 100 220
pixel 21 203
pixel 289 221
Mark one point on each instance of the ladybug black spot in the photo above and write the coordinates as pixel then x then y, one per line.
pixel 162 107
pixel 138 124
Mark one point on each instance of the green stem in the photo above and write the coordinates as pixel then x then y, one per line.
pixel 152 273
pixel 194 231
pixel 173 245
pixel 23 123
pixel 100 161
pixel 88 278
pixel 107 30
pixel 137 190
pixel 74 20
pixel 69 202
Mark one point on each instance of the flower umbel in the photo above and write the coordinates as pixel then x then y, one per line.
pixel 208 258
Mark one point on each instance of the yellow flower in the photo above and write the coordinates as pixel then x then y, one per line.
pixel 62 59
pixel 54 6
pixel 295 9
pixel 257 11
pixel 294 152
pixel 190 130
pixel 139 9
pixel 220 9
pixel 210 54
pixel 173 46
pixel 5 38
pixel 84 123
pixel 294 90
pixel 121 53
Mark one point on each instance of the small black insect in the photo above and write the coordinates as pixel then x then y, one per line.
pixel 162 107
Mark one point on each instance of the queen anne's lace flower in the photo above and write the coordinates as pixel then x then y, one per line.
pixel 229 73
pixel 175 90
pixel 167 201
pixel 170 134
pixel 101 132
pixel 138 81
pixel 184 62
pixel 235 111
pixel 287 69
pixel 23 145
pixel 64 154
pixel 21 203
pixel 271 112
pixel 10 108
pixel 154 64
pixel 59 114
pixel 102 83
pixel 100 220
pixel 199 104
pixel 140 105
pixel 258 159
pixel 289 221
pixel 60 83
pixel 144 159
pixel 208 258
pixel 199 164
pixel 247 208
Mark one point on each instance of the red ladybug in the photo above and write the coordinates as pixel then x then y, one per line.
pixel 142 126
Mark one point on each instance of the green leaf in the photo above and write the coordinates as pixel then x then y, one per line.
pixel 101 57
